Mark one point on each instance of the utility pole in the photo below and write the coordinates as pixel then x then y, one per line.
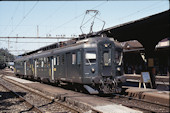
pixel 37 31
pixel 8 43
pixel 8 50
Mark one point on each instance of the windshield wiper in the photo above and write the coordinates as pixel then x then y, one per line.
pixel 89 62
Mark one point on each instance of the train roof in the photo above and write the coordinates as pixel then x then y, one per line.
pixel 64 43
pixel 70 43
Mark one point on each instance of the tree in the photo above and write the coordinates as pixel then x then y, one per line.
pixel 5 56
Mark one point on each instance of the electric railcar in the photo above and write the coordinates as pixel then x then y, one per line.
pixel 94 63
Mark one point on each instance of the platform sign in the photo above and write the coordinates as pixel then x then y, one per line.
pixel 145 78
pixel 150 62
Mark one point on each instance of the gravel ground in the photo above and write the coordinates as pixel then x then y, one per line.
pixel 9 103
pixel 124 101
pixel 42 103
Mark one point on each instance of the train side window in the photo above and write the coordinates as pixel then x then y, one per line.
pixel 48 61
pixel 90 58
pixel 42 63
pixel 73 58
pixel 28 63
pixel 58 60
pixel 118 55
pixel 38 63
pixel 20 63
pixel 62 60
pixel 78 57
pixel 45 60
pixel 54 61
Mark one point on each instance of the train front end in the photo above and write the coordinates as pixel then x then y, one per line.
pixel 108 68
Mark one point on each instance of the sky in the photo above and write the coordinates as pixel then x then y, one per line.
pixel 56 18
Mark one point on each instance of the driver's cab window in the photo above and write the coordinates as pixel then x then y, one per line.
pixel 117 56
pixel 90 58
pixel 107 58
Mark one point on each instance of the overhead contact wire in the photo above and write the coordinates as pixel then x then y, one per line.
pixel 74 18
pixel 23 18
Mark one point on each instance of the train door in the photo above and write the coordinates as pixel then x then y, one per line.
pixel 45 66
pixel 35 68
pixel 52 68
pixel 62 66
pixel 31 67
pixel 105 59
pixel 57 67
pixel 68 65
pixel 79 63
pixel 28 67
pixel 25 68
pixel 48 71
pixel 78 66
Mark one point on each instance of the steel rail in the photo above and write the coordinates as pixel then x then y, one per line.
pixel 127 105
pixel 32 107
pixel 11 81
pixel 131 106
pixel 95 111
pixel 48 97
pixel 145 109
pixel 43 95
pixel 53 99
pixel 139 108
pixel 141 100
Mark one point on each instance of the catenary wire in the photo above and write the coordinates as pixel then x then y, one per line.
pixel 69 21
pixel 139 11
pixel 24 18
pixel 12 17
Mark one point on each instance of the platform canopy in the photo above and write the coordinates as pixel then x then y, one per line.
pixel 148 31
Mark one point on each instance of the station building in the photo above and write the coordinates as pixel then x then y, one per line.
pixel 135 62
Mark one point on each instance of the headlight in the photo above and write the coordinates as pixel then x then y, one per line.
pixel 92 70
pixel 118 68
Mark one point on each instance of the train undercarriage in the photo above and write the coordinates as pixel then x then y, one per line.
pixel 106 85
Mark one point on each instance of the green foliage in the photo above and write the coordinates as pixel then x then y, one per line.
pixel 5 56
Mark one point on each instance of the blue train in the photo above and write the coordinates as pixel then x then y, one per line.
pixel 94 63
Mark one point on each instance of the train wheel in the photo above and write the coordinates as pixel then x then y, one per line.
pixel 57 83
pixel 32 78
pixel 39 80
pixel 22 76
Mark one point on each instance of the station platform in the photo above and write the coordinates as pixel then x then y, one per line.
pixel 162 82
pixel 85 101
pixel 81 100
pixel 151 95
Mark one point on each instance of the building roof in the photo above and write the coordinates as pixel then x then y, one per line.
pixel 132 44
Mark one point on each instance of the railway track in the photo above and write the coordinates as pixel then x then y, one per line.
pixel 38 100
pixel 134 103
pixel 7 72
pixel 31 108
pixel 139 104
